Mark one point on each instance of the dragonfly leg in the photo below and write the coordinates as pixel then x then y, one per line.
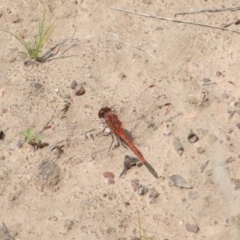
pixel 119 141
pixel 111 142
pixel 107 134
pixel 123 143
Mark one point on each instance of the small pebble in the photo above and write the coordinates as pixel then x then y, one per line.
pixel 230 159
pixel 68 225
pixel 16 18
pixel 179 181
pixel 35 86
pixel 237 22
pixel 79 90
pixel 208 200
pixel 230 146
pixel 206 80
pixel 108 175
pixel 225 96
pixel 12 196
pixel 2 135
pixel 153 193
pixel 200 150
pixel 53 218
pixel 20 144
pixel 122 75
pixel 192 137
pixel 218 74
pixel 152 200
pixel 192 228
pixel 204 165
pixel 142 190
pixel 230 130
pixel 135 184
pixel 178 146
pixel 2 158
pixel 73 84
pixel 237 184
pixel 239 155
pixel 238 125
pixel 56 150
pixel 227 137
pixel 4 110
pixel 8 10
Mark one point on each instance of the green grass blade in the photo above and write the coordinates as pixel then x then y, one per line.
pixel 34 49
pixel 26 45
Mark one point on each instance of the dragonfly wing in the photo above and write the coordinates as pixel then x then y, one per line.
pixel 145 115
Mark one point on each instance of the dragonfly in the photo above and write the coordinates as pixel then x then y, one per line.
pixel 116 126
pixel 132 121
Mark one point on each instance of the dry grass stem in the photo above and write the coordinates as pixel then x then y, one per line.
pixel 174 20
pixel 208 10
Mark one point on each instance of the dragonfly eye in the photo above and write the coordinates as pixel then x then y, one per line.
pixel 103 111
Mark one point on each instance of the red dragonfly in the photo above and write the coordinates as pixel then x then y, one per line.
pixel 116 126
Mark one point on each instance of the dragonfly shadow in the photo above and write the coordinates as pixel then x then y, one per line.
pixel 129 162
pixel 150 169
pixel 128 134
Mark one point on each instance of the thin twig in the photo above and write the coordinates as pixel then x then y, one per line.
pixel 229 24
pixel 48 56
pixel 141 49
pixel 174 20
pixel 208 10
pixel 57 58
pixel 47 123
pixel 50 53
pixel 62 43
pixel 61 55
pixel 74 32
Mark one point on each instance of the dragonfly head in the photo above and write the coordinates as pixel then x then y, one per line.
pixel 103 111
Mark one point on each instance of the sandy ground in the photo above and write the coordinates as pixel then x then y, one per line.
pixel 164 79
